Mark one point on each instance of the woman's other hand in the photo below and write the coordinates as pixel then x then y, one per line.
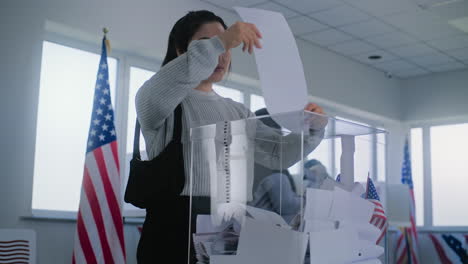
pixel 241 32
pixel 316 122
pixel 311 107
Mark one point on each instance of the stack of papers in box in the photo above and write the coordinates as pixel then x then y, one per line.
pixel 336 226
pixel 339 230
pixel 261 242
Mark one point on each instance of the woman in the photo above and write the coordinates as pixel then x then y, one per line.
pixel 198 55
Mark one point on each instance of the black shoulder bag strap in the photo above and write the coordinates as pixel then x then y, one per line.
pixel 176 135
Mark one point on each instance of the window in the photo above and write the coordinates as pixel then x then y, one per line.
pixel 137 77
pixel 417 173
pixel 449 164
pixel 256 102
pixel 235 95
pixel 439 167
pixel 322 154
pixel 381 156
pixel 68 77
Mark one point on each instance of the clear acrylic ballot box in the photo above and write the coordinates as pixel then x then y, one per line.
pixel 282 189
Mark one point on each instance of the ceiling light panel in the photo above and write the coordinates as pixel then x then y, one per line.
pixel 431 59
pixel 459 54
pixel 367 28
pixel 352 47
pixel 287 13
pixel 395 65
pixel 303 24
pixel 454 42
pixel 340 16
pixel 391 39
pixel 309 6
pixel 412 50
pixel 384 7
pixel 231 3
pixel 327 37
pixel 452 66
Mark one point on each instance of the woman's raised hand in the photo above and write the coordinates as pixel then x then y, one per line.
pixel 241 32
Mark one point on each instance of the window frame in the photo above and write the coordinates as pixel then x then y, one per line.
pixel 247 86
pixel 426 125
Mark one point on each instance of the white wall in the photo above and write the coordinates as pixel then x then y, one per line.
pixel 438 96
pixel 141 28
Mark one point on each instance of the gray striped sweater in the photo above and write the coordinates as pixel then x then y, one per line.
pixel 173 84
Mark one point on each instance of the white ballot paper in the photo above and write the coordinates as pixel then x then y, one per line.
pixel 205 225
pixel 278 63
pixel 350 208
pixel 368 261
pixel 366 231
pixel 225 259
pixel 264 243
pixel 318 204
pixel 319 225
pixel 265 216
pixel 324 245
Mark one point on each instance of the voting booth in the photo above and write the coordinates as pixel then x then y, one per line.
pixel 259 194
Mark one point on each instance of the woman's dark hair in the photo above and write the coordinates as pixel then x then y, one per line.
pixel 185 28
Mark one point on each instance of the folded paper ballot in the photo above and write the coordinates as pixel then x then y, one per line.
pixel 350 208
pixel 337 205
pixel 323 247
pixel 318 204
pixel 319 225
pixel 358 189
pixel 225 212
pixel 266 243
pixel 278 44
pixel 366 231
pixel 265 216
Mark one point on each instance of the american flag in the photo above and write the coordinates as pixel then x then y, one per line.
pixel 447 248
pixel 99 233
pixel 407 243
pixel 17 246
pixel 378 217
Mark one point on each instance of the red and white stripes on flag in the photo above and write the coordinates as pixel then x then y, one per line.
pixel 99 233
pixel 99 237
pixel 444 248
pixel 405 247
pixel 14 251
pixel 379 219
pixel 407 242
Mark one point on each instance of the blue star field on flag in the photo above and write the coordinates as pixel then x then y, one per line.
pixel 102 130
pixel 406 177
pixel 457 247
pixel 371 191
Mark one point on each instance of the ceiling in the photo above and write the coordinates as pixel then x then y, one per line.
pixel 412 37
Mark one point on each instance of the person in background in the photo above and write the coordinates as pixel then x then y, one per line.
pixel 315 173
pixel 275 190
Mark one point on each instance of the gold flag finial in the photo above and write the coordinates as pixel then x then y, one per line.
pixel 108 47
